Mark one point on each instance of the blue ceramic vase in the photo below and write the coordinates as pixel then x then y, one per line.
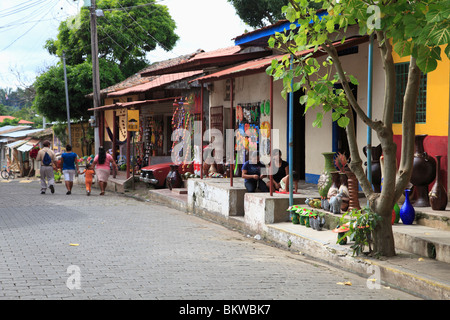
pixel 407 212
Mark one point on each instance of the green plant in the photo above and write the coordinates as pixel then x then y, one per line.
pixel 361 224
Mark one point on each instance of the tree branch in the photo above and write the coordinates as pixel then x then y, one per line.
pixel 389 72
pixel 331 51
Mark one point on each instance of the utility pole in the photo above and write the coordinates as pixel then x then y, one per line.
pixel 67 99
pixel 95 71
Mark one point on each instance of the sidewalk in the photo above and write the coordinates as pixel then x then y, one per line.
pixel 411 270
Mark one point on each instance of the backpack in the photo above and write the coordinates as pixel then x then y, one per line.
pixel 47 160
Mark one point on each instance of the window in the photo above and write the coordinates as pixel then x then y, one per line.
pixel 401 77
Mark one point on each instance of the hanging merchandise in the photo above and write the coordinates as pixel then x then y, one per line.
pixel 182 119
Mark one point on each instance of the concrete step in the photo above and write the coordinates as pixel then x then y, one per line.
pixel 418 239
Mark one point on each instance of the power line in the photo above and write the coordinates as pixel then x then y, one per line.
pixel 28 29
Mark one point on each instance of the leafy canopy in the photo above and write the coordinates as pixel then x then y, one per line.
pixel 50 97
pixel 416 28
pixel 127 31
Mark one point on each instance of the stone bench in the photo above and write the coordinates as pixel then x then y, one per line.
pixel 215 195
pixel 262 209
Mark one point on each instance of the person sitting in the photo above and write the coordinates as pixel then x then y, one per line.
pixel 280 170
pixel 251 172
pixel 285 183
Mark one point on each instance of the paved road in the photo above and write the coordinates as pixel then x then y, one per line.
pixel 113 247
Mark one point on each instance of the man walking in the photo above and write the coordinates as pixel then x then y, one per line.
pixel 47 158
pixel 68 161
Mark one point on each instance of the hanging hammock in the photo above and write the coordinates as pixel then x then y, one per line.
pixel 111 137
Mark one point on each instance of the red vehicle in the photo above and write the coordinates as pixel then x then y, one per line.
pixel 156 174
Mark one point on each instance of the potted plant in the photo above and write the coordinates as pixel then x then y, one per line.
pixel 360 224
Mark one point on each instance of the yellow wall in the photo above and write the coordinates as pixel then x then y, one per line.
pixel 438 84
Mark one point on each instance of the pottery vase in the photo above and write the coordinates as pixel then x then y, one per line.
pixel 407 212
pixel 438 194
pixel 352 190
pixel 376 153
pixel 424 172
pixel 295 218
pixel 325 179
pixel 173 179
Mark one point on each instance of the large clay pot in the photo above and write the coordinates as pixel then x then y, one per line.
pixel 438 194
pixel 407 212
pixel 173 179
pixel 424 172
pixel 375 166
pixel 343 189
pixel 352 190
pixel 325 179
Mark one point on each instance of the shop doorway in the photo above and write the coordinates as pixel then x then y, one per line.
pixel 299 136
pixel 340 141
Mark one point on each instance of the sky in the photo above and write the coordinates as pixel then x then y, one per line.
pixel 25 25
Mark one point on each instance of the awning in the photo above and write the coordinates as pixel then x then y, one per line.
pixel 260 65
pixel 130 104
pixel 25 147
pixel 16 144
pixel 216 58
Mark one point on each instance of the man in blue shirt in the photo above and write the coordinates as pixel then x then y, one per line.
pixel 251 172
pixel 69 163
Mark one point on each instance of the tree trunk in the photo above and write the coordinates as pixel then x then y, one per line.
pixel 383 237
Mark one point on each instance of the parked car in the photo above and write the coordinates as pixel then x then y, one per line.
pixel 156 174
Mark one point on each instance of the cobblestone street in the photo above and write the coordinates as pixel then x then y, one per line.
pixel 112 247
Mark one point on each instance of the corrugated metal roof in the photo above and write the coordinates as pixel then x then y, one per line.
pixel 216 58
pixel 25 147
pixel 15 144
pixel 133 103
pixel 7 129
pixel 137 79
pixel 260 65
pixel 157 82
pixel 22 133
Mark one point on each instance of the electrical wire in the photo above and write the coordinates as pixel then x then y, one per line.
pixel 34 25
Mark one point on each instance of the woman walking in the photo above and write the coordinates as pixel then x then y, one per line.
pixel 102 163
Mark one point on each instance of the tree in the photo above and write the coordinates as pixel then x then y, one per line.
pixel 260 13
pixel 127 31
pixel 412 28
pixel 50 97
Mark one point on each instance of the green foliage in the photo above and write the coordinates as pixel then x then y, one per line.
pixel 50 98
pixel 361 224
pixel 259 13
pixel 125 35
pixel 416 28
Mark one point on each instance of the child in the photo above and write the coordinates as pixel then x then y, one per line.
pixel 284 183
pixel 89 171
